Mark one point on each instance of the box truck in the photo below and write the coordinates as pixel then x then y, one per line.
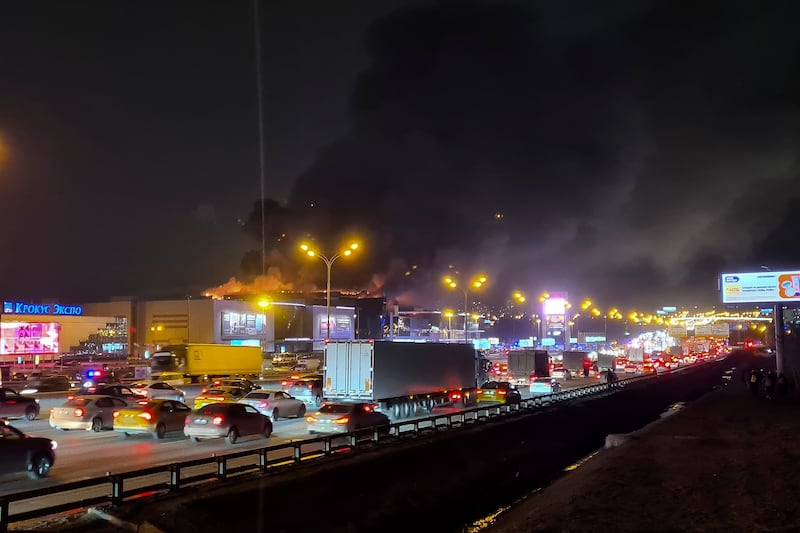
pixel 576 361
pixel 401 377
pixel 200 362
pixel 523 364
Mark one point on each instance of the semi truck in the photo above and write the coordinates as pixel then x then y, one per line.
pixel 197 363
pixel 522 364
pixel 576 361
pixel 402 378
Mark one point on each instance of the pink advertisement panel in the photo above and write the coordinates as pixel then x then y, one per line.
pixel 19 338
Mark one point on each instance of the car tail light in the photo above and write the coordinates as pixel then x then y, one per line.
pixel 455 396
pixel 142 402
pixel 147 415
pixel 53 445
pixel 501 392
pixel 263 405
pixel 115 414
pixel 310 385
pixel 78 411
pixel 217 383
pixel 70 396
pixel 92 389
pixel 284 383
pixel 342 420
pixel 186 421
pixel 217 420
pixel 479 391
pixel 310 418
pixel 216 398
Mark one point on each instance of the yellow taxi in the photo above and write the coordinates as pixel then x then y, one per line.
pixel 217 395
pixel 498 392
pixel 155 416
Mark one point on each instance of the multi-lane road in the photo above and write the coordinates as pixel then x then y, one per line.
pixel 84 455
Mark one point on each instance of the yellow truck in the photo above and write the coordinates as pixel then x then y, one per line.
pixel 199 363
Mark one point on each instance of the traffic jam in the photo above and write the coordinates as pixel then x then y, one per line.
pixel 232 408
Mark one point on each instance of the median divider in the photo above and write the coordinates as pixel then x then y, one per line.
pixel 34 503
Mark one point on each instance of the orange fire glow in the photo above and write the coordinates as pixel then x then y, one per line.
pixel 271 282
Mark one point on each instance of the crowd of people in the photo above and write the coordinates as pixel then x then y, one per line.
pixel 766 384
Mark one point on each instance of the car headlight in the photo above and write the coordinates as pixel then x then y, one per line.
pixel 36 400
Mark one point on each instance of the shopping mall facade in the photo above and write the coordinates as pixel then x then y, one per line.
pixel 42 331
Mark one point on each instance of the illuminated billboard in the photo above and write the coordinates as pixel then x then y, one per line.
pixel 555 315
pixel 761 287
pixel 235 324
pixel 342 325
pixel 20 338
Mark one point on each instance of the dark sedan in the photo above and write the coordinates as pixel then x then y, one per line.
pixel 117 391
pixel 14 405
pixel 228 420
pixel 22 453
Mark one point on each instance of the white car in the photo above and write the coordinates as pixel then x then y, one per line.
pixel 158 389
pixel 540 386
pixel 275 404
pixel 561 373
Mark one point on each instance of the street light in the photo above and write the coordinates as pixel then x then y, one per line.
pixel 477 283
pixel 310 252
pixel 449 315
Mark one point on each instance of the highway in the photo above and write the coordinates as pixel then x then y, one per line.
pixel 84 454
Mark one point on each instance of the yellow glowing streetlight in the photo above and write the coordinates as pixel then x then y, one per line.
pixel 519 297
pixel 586 304
pixel 263 303
pixel 449 314
pixel 479 281
pixel 310 252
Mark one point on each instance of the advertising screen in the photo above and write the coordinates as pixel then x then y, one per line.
pixel 341 324
pixel 19 338
pixel 235 324
pixel 761 287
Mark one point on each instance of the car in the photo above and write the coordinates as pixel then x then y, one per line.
pixel 631 369
pixel 228 420
pixel 560 372
pixel 23 453
pixel 309 390
pixel 498 391
pixel 344 417
pixel 117 391
pixel 218 394
pixel 242 383
pixel 14 405
pixel 89 412
pixel 158 389
pixel 53 383
pixel 275 403
pixel 155 416
pixel 541 386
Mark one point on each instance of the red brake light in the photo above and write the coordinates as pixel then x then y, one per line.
pixel 115 414
pixel 284 383
pixel 147 415
pixel 342 420
pixel 263 405
pixel 217 420
pixel 186 421
pixel 367 408
pixel 310 385
pixel 78 411
pixel 479 391
pixel 92 389
pixel 70 396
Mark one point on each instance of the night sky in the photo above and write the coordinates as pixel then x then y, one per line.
pixel 627 151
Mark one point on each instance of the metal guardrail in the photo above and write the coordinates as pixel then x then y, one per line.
pixel 269 457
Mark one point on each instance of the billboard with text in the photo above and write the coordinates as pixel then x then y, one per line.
pixel 761 287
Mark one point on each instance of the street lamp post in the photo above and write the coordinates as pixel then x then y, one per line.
pixel 329 264
pixel 477 284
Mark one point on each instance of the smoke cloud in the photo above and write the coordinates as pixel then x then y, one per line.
pixel 630 156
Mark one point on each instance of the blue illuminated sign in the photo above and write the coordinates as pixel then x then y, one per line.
pixel 22 308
